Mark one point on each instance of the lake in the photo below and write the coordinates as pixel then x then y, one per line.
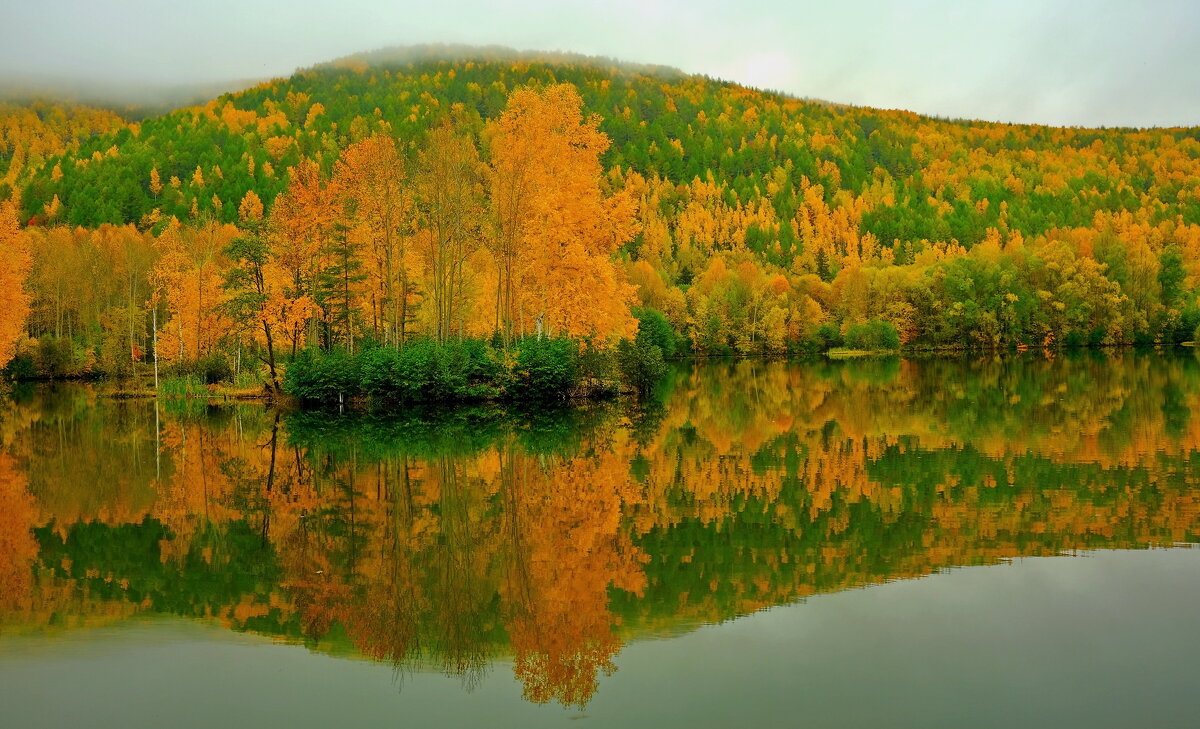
pixel 942 542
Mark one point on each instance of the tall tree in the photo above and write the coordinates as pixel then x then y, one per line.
pixel 449 199
pixel 554 230
pixel 305 218
pixel 15 264
pixel 370 176
pixel 247 280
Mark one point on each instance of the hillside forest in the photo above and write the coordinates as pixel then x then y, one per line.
pixel 403 199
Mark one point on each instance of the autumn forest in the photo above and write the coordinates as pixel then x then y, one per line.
pixel 462 386
pixel 464 208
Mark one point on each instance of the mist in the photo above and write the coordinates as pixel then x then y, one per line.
pixel 1101 63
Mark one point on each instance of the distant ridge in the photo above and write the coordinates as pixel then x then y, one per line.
pixel 132 99
pixel 451 52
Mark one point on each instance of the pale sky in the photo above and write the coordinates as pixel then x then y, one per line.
pixel 1098 62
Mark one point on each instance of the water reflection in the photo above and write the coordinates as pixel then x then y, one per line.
pixel 445 542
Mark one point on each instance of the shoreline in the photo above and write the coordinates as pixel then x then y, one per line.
pixel 115 390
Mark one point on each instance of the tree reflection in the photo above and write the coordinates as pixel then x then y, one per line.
pixel 449 541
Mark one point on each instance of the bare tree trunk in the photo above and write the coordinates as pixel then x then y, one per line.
pixel 132 352
pixel 154 345
pixel 271 357
pixel 199 307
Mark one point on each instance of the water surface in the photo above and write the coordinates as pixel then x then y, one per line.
pixel 942 542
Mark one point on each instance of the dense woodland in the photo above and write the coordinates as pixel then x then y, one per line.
pixel 399 197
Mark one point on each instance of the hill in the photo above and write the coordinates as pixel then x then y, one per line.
pixel 762 222
pixel 931 175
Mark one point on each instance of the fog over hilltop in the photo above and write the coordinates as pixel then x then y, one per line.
pixel 1100 63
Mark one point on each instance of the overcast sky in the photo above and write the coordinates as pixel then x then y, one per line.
pixel 1098 62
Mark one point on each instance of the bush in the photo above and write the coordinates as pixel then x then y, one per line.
pixel 377 372
pixel 546 368
pixel 427 371
pixel 417 375
pixel 214 368
pixel 1189 322
pixel 827 337
pixel 209 370
pixel 597 369
pixel 464 370
pixel 873 335
pixel 329 378
pixel 20 367
pixel 641 364
pixel 55 357
pixel 1074 338
pixel 480 362
pixel 654 329
pixel 1143 339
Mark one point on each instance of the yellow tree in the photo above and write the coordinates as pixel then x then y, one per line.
pixel 15 264
pixel 253 296
pixel 448 186
pixel 190 272
pixel 554 230
pixel 303 221
pixel 266 280
pixel 166 276
pixel 370 176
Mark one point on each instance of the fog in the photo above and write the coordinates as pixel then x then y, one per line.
pixel 1094 63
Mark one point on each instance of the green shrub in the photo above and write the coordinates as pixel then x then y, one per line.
pixel 214 368
pixel 653 328
pixel 469 370
pixel 20 367
pixel 1189 322
pixel 417 375
pixel 479 360
pixel 377 372
pixel 597 368
pixel 55 357
pixel 427 371
pixel 546 368
pixel 641 364
pixel 873 335
pixel 827 337
pixel 1143 339
pixel 209 370
pixel 328 378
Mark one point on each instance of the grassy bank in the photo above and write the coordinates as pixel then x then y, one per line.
pixel 247 386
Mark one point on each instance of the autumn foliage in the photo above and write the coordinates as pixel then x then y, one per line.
pixel 555 233
pixel 399 199
pixel 15 263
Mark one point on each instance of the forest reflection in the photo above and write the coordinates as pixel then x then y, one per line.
pixel 446 542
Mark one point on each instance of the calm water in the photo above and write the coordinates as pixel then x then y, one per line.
pixel 958 543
